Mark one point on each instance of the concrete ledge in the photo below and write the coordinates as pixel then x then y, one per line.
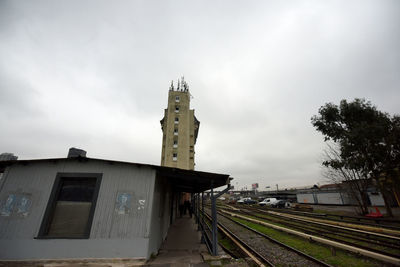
pixel 73 262
pixel 39 249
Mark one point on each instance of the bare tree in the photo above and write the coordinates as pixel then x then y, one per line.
pixel 352 180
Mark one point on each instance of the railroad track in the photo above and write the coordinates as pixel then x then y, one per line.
pixel 316 236
pixel 369 230
pixel 373 222
pixel 263 249
pixel 386 236
pixel 382 245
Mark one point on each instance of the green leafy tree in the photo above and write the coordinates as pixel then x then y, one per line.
pixel 369 142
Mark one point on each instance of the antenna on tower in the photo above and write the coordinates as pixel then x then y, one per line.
pixel 171 88
pixel 184 86
pixel 182 82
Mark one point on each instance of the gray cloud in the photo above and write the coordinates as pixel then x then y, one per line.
pixel 95 75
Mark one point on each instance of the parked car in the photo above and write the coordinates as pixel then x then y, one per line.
pixel 240 201
pixel 268 201
pixel 250 201
pixel 246 200
pixel 279 204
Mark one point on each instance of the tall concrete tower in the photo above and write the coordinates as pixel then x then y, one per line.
pixel 180 128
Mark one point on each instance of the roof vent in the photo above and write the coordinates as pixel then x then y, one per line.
pixel 76 152
pixel 7 157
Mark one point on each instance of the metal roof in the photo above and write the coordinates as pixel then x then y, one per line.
pixel 182 180
pixel 193 181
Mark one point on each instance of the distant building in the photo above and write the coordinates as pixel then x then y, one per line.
pixel 339 194
pixel 180 129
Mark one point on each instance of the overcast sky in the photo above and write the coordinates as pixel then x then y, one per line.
pixel 95 75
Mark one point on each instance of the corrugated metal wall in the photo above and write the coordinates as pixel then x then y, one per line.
pixel 35 180
pixel 329 198
pixel 305 198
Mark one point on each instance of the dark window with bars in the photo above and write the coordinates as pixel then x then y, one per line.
pixel 70 209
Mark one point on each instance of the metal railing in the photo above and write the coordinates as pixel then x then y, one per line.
pixel 210 241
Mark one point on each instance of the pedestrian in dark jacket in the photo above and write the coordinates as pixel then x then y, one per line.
pixel 187 205
pixel 190 210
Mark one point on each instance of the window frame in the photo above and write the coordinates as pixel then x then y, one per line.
pixel 51 204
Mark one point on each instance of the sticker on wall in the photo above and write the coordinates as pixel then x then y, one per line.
pixel 8 205
pixel 23 206
pixel 141 202
pixel 123 203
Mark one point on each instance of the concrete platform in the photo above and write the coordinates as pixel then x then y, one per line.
pixel 182 246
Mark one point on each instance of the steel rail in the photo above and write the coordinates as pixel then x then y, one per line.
pixel 296 217
pixel 209 239
pixel 373 230
pixel 378 256
pixel 307 230
pixel 278 242
pixel 328 231
pixel 380 223
pixel 362 237
pixel 348 230
pixel 253 254
pixel 384 224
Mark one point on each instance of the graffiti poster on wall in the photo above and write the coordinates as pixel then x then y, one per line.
pixel 123 203
pixel 8 206
pixel 16 204
pixel 23 206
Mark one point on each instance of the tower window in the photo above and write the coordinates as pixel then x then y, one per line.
pixel 177 98
pixel 176 120
pixel 176 109
pixel 175 156
pixel 175 143
pixel 176 131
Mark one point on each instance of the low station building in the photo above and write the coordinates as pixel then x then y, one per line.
pixel 79 207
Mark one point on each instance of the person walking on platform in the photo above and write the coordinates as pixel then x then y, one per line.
pixel 190 210
pixel 187 206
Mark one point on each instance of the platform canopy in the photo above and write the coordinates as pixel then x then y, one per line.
pixel 193 181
